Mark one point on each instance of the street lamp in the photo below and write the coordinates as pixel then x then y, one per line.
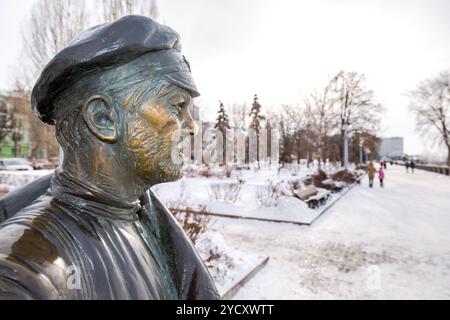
pixel 361 144
pixel 345 126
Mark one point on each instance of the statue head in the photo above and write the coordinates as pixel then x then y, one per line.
pixel 119 96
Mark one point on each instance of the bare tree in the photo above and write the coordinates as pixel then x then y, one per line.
pixel 354 104
pixel 431 107
pixel 320 115
pixel 51 26
pixel 238 116
pixel 111 10
pixel 290 121
pixel 292 126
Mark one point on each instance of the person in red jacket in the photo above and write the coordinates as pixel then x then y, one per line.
pixel 381 176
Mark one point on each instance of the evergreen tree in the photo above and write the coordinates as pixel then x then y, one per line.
pixel 255 124
pixel 222 124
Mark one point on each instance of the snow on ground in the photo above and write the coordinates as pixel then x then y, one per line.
pixel 238 195
pixel 11 180
pixel 391 243
pixel 226 265
pixel 21 178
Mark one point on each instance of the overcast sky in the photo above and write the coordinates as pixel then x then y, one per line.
pixel 282 49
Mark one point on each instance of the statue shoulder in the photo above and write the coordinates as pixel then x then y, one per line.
pixel 32 260
pixel 194 280
pixel 19 280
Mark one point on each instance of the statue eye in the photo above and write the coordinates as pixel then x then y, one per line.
pixel 177 108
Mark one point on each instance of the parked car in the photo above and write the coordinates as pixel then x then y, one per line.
pixel 15 164
pixel 51 163
pixel 41 164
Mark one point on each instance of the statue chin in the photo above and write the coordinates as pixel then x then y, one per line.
pixel 170 172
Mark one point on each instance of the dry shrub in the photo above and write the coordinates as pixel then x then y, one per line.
pixel 225 191
pixel 268 195
pixel 194 224
pixel 318 178
pixel 206 172
pixel 347 177
pixel 216 257
pixel 293 185
pixel 308 181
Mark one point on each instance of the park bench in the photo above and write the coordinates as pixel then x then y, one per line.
pixel 312 196
pixel 305 194
pixel 333 186
pixel 318 199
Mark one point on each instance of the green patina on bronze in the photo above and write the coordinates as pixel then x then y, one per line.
pixel 119 95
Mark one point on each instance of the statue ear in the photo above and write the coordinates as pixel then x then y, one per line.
pixel 101 118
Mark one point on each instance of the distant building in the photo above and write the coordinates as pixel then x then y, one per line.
pixel 391 148
pixel 15 142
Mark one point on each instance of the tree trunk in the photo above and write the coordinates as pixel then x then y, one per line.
pixel 448 156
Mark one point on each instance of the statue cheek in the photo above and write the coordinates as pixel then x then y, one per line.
pixel 158 118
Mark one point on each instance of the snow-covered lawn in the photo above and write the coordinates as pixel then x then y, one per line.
pixel 246 193
pixel 391 243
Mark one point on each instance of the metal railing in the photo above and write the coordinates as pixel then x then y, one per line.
pixel 434 168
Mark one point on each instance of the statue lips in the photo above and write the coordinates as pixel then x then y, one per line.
pixel 179 146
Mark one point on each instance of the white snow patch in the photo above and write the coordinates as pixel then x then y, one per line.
pixel 17 179
pixel 226 265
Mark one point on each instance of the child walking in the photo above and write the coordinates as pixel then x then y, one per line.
pixel 381 176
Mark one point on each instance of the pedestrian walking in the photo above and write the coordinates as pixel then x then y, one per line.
pixel 407 166
pixel 412 165
pixel 371 173
pixel 381 176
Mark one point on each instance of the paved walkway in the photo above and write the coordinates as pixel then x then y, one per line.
pixel 391 243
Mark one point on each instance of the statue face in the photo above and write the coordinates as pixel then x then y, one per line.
pixel 155 132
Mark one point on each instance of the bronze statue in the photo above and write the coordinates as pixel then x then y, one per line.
pixel 119 95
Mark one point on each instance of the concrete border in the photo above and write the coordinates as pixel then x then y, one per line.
pixel 234 289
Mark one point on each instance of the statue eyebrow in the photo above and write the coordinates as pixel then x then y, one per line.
pixel 176 94
pixel 169 92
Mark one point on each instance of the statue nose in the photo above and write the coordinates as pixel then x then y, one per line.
pixel 189 124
